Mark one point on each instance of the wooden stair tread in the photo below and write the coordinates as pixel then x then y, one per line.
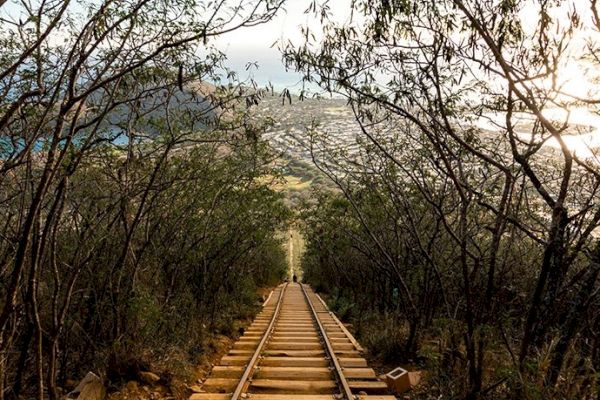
pixel 292 363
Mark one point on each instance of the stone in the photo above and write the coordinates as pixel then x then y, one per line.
pixel 91 387
pixel 149 377
pixel 196 389
pixel 414 377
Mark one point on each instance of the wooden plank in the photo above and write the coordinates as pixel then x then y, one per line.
pixel 296 329
pixel 347 353
pixel 238 352
pixel 352 362
pixel 359 373
pixel 293 364
pixel 227 371
pixel 222 385
pixel 285 339
pixel 294 346
pixel 227 396
pixel 294 361
pixel 286 386
pixel 296 334
pixel 370 387
pixel 295 373
pixel 298 338
pixel 244 345
pixel 235 360
pixel 342 346
pixel 339 340
pixel 342 326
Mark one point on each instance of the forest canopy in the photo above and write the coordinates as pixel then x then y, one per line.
pixel 131 203
pixel 469 214
pixel 460 234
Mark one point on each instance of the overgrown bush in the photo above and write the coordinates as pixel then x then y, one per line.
pixel 159 251
pixel 407 306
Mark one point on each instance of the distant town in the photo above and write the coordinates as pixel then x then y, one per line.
pixel 331 118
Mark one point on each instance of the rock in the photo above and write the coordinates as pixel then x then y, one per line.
pixel 414 377
pixel 149 377
pixel 196 389
pixel 93 391
pixel 91 387
pixel 132 386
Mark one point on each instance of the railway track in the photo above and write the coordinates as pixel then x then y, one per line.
pixel 294 350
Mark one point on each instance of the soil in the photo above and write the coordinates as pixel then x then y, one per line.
pixel 173 385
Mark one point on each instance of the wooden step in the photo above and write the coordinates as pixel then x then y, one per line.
pixel 359 373
pixel 220 385
pixel 287 386
pixel 294 346
pixel 295 361
pixel 295 353
pixel 279 339
pixel 293 364
pixel 227 396
pixel 235 360
pixel 352 362
pixel 370 387
pixel 296 338
pixel 294 373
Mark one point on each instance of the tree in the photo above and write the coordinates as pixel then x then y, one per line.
pixel 79 82
pixel 433 73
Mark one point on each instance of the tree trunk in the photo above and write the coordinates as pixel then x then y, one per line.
pixel 552 260
pixel 573 320
pixel 22 362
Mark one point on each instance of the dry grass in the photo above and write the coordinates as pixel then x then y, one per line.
pixel 290 182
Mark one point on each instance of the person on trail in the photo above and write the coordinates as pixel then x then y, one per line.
pixel 295 278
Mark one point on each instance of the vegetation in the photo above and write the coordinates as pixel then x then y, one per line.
pixel 484 240
pixel 132 216
pixel 140 207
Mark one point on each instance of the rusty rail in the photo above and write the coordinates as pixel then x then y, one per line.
pixel 251 365
pixel 344 386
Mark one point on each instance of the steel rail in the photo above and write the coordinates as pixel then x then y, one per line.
pixel 346 392
pixel 251 365
pixel 341 325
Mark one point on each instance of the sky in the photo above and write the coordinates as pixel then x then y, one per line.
pixel 259 43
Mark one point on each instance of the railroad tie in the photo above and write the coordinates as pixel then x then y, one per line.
pixel 295 349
